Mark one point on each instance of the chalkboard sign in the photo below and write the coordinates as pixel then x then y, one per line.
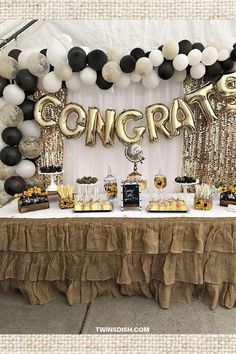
pixel 130 195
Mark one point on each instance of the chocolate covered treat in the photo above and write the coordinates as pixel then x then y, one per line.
pixel 185 179
pixel 87 180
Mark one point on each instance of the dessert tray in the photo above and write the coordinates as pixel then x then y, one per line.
pixel 168 207
pixel 92 207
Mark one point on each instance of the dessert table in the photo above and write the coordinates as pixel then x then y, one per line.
pixel 171 257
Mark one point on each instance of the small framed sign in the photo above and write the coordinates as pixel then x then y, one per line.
pixel 130 195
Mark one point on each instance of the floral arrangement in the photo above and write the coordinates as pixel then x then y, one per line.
pixel 34 195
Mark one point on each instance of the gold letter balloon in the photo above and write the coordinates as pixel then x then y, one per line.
pixel 121 127
pixel 80 124
pixel 40 107
pixel 104 128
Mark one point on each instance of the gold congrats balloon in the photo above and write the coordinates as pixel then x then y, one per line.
pixel 155 123
pixel 226 85
pixel 104 128
pixel 40 107
pixel 80 125
pixel 180 106
pixel 121 127
pixel 200 97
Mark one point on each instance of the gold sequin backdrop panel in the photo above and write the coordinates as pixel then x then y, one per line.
pixel 53 139
pixel 210 152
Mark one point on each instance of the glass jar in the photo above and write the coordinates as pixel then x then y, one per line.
pixel 110 185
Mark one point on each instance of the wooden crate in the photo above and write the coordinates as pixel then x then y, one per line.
pixel 33 207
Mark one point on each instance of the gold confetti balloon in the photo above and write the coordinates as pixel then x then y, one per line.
pixel 31 147
pixel 11 115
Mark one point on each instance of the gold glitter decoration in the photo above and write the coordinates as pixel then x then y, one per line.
pixel 210 153
pixel 53 151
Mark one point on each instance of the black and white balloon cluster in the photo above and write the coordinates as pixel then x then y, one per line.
pixel 20 141
pixel 56 66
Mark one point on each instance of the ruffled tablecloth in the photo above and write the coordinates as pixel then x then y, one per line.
pixel 170 259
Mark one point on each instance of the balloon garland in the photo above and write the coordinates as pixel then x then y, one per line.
pixel 24 72
pixel 51 68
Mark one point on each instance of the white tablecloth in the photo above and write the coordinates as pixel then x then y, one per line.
pixel 11 211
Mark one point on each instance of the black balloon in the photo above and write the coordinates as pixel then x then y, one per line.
pixel 166 70
pixel 77 60
pixel 137 53
pixel 26 81
pixel 3 84
pixel 44 51
pixel 75 49
pixel 185 46
pixel 102 83
pixel 147 54
pixel 188 69
pixel 227 65
pixel 14 53
pixel 214 70
pixel 127 64
pixel 233 55
pixel 161 46
pixel 10 155
pixel 14 185
pixel 234 45
pixel 198 46
pixel 28 109
pixel 96 59
pixel 11 136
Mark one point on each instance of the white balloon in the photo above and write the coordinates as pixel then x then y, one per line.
pixel 88 76
pixel 180 62
pixel 143 66
pixel 135 77
pixel 223 54
pixel 63 71
pixel 194 57
pixel 156 57
pixel 209 56
pixel 25 169
pixel 24 57
pixel 170 49
pixel 115 54
pixel 151 81
pixel 198 71
pixel 2 102
pixel 56 54
pixel 51 83
pixel 13 94
pixel 123 82
pixel 179 76
pixel 74 83
pixel 30 128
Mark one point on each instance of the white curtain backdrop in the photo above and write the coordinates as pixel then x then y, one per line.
pixel 103 34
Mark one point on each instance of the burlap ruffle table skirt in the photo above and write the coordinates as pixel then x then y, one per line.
pixel 171 259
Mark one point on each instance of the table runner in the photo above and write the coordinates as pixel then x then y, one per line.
pixel 167 259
